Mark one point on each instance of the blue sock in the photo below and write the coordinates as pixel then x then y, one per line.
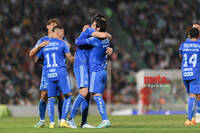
pixel 198 106
pixel 79 99
pixel 51 109
pixel 66 106
pixel 101 107
pixel 42 109
pixel 60 105
pixel 84 110
pixel 191 105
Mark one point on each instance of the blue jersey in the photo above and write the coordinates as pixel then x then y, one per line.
pixel 54 59
pixel 190 51
pixel 98 56
pixel 83 51
pixel 45 38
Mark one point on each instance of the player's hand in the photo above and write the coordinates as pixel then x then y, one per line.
pixel 109 51
pixel 108 36
pixel 43 44
pixel 85 27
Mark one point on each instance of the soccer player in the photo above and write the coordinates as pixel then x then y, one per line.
pixel 57 77
pixel 43 86
pixel 190 55
pixel 82 75
pixel 197 25
pixel 97 68
pixel 197 118
pixel 145 96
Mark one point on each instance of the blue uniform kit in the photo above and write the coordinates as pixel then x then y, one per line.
pixel 54 55
pixel 81 69
pixel 55 66
pixel 97 63
pixel 190 51
pixel 98 74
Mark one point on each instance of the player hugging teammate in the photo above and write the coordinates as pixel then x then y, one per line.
pixel 190 54
pixel 89 65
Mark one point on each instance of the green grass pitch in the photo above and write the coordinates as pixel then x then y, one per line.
pixel 119 124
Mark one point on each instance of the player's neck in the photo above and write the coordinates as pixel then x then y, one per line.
pixel 50 34
pixel 194 39
pixel 57 37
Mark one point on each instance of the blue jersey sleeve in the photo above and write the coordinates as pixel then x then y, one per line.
pixel 181 49
pixel 65 39
pixel 46 38
pixel 86 34
pixel 90 41
pixel 38 42
pixel 89 31
pixel 66 48
pixel 82 35
pixel 40 54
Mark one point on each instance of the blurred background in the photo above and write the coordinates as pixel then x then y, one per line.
pixel 146 37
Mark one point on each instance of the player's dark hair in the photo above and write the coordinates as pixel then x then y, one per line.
pixel 194 33
pixel 196 23
pixel 101 24
pixel 98 16
pixel 53 20
pixel 57 27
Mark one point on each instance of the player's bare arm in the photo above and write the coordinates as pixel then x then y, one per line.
pixel 180 56
pixel 34 51
pixel 36 59
pixel 102 35
pixel 70 57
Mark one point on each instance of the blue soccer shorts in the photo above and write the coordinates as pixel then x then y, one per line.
pixel 82 76
pixel 192 86
pixel 63 85
pixel 98 81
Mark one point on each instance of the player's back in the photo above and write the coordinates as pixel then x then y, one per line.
pixel 54 58
pixel 83 52
pixel 190 51
pixel 98 56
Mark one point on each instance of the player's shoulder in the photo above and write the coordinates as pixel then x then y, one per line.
pixel 185 42
pixel 62 43
pixel 44 38
pixel 64 38
pixel 57 40
pixel 89 30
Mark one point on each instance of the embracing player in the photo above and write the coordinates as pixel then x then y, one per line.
pixel 190 54
pixel 81 71
pixel 54 55
pixel 43 85
pixel 197 118
pixel 97 68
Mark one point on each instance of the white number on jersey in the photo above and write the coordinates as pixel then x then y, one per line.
pixel 53 55
pixel 192 60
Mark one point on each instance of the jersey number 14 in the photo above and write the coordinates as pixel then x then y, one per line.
pixel 192 60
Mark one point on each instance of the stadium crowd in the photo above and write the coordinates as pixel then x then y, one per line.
pixel 155 28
